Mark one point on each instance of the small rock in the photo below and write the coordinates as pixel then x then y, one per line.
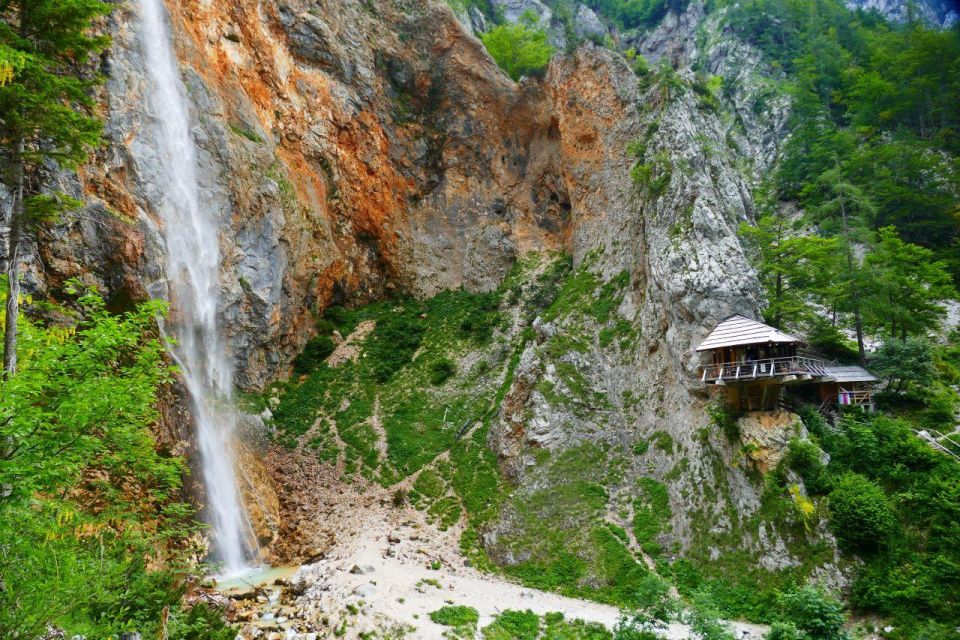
pixel 360 571
pixel 393 537
pixel 266 414
pixel 364 590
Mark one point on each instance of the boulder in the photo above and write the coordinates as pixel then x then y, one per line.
pixel 766 436
pixel 586 24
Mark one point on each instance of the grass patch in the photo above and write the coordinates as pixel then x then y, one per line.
pixel 663 441
pixel 244 132
pixel 513 625
pixel 651 513
pixel 463 619
pixel 556 627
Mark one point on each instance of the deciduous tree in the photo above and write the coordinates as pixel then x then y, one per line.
pixel 520 49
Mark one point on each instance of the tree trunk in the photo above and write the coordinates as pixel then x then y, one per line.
pixel 854 286
pixel 778 295
pixel 13 266
pixel 858 325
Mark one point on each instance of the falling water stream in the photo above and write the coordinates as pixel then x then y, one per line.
pixel 193 271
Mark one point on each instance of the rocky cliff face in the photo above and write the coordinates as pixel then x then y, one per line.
pixel 347 156
pixel 940 13
pixel 631 404
pixel 352 152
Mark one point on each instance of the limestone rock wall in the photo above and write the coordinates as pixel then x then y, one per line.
pixel 348 153
pixel 354 150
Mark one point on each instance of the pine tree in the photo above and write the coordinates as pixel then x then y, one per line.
pixel 846 212
pixel 793 268
pixel 45 115
pixel 908 287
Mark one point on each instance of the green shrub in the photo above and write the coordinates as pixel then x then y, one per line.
pixel 200 622
pixel 803 457
pixel 441 370
pixel 556 628
pixel 705 619
pixel 725 417
pixel 651 513
pixel 456 616
pixel 90 504
pixel 860 515
pixel 395 339
pixel 514 625
pixel 662 441
pixel 481 317
pixel 519 49
pixel 653 609
pixel 812 611
pixel 785 631
pixel 314 353
pixel 336 314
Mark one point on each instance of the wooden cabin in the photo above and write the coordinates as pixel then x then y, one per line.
pixel 755 361
pixel 741 349
pixel 848 386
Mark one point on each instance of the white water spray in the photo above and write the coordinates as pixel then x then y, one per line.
pixel 193 272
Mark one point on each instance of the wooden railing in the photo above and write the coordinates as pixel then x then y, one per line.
pixel 760 369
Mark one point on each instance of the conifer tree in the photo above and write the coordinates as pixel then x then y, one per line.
pixel 793 268
pixel 907 287
pixel 846 211
pixel 46 115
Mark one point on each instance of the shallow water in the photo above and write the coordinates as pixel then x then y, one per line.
pixel 253 578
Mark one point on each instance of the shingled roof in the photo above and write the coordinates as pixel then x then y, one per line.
pixel 850 374
pixel 738 330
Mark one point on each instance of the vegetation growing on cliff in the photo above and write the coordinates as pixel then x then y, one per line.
pixel 95 538
pixel 876 107
pixel 896 503
pixel 520 49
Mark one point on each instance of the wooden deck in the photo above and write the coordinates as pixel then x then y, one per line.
pixel 770 368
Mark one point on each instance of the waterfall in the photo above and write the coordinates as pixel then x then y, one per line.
pixel 193 271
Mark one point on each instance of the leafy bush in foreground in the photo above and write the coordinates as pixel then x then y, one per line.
pixel 859 513
pixel 87 499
